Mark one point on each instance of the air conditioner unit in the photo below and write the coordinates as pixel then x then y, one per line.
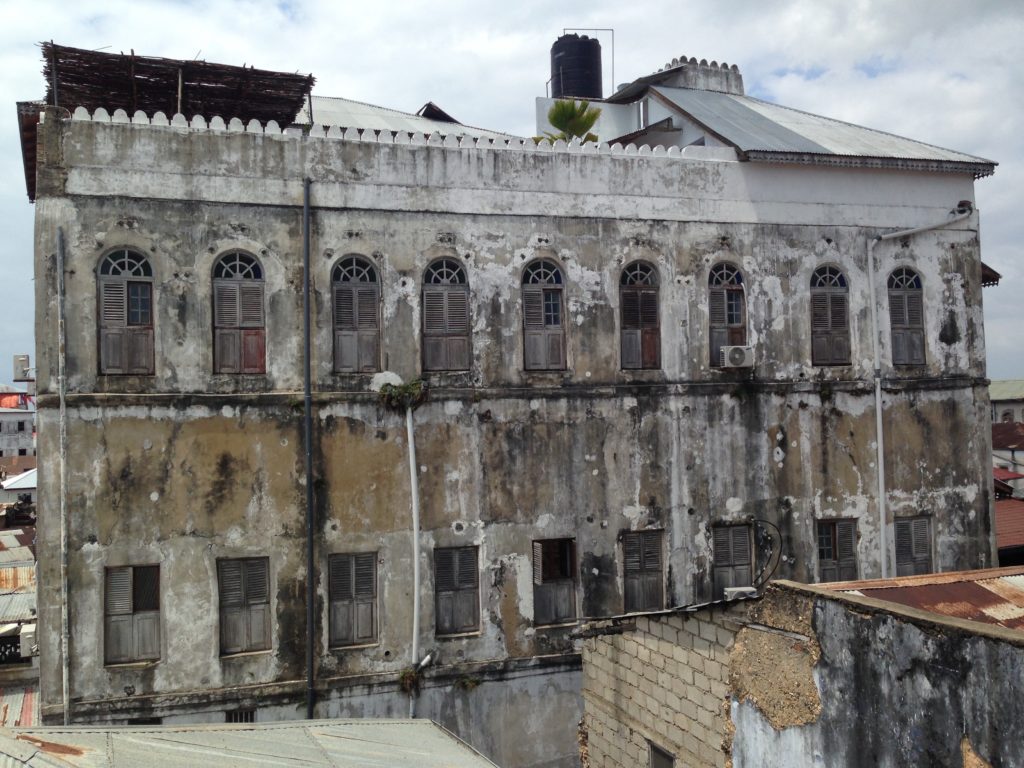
pixel 737 357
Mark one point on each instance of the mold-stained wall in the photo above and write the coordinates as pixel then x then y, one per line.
pixel 186 466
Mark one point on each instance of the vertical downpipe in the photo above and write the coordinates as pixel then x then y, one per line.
pixel 63 450
pixel 415 492
pixel 308 400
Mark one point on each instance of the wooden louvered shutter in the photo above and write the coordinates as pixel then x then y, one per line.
pixel 232 626
pixel 846 550
pixel 146 610
pixel 631 329
pixel 534 337
pixel 118 642
pixel 839 322
pixel 632 573
pixel 650 344
pixel 227 340
pixel 444 590
pixel 821 337
pixel 467 604
pixel 651 580
pixel 368 323
pixel 113 326
pixel 538 563
pixel 904 548
pixel 732 557
pixel 457 328
pixel 554 348
pixel 253 333
pixel 346 337
pixel 915 328
pixel 341 589
pixel 718 330
pixel 257 598
pixel 434 327
pixel 365 595
pixel 898 323
pixel 921 545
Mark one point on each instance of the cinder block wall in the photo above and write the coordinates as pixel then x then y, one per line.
pixel 664 680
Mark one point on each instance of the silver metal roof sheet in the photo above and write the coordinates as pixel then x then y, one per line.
pixel 753 125
pixel 1007 389
pixel 23 482
pixel 19 705
pixel 346 113
pixel 335 743
pixel 17 606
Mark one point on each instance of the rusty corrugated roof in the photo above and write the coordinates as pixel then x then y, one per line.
pixel 1009 523
pixel 1005 474
pixel 17 578
pixel 991 596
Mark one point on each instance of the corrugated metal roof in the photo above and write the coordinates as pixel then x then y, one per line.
pixel 991 596
pixel 346 113
pixel 17 606
pixel 17 578
pixel 24 482
pixel 336 743
pixel 1006 389
pixel 1007 436
pixel 17 537
pixel 19 705
pixel 753 125
pixel 16 556
pixel 999 473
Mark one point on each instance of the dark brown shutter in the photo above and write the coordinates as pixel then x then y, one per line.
pixel 922 545
pixel 915 330
pixel 225 304
pixel 341 585
pixel 904 548
pixel 846 546
pixel 631 333
pixel 650 345
pixel 250 299
pixel 256 581
pixel 365 566
pixel 444 569
pixel 146 588
pixel 230 582
pixel 538 562
pixel 468 567
pixel 718 330
pixel 254 350
pixel 341 611
pixel 534 338
pixel 368 320
pixel 118 640
pixel 346 342
pixel 227 350
pixel 113 323
pixel 435 348
pixel 457 325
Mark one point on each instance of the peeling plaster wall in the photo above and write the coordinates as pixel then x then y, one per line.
pixel 186 466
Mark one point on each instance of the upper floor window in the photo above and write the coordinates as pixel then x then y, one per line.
pixel 906 316
pixel 356 292
pixel 554 581
pixel 456 590
pixel 239 337
pixel 352 594
pixel 733 557
pixel 126 314
pixel 244 587
pixel 445 317
pixel 642 573
pixel 131 610
pixel 837 550
pixel 830 317
pixel 913 545
pixel 727 311
pixel 543 317
pixel 641 331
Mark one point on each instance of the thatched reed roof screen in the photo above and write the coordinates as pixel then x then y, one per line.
pixel 92 79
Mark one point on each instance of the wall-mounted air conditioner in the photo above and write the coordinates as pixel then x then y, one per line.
pixel 737 357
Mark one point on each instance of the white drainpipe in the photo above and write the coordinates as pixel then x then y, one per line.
pixel 963 210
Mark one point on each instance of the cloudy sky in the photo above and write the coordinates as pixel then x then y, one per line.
pixel 941 71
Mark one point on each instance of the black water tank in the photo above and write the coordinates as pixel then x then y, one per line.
pixel 576 67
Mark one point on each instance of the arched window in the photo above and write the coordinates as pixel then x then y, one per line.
pixel 727 311
pixel 356 294
pixel 445 317
pixel 830 317
pixel 906 317
pixel 239 337
pixel 126 314
pixel 638 301
pixel 543 317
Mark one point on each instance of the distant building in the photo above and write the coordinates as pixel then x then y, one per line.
pixel 1008 453
pixel 17 433
pixel 915 671
pixel 18 486
pixel 1007 396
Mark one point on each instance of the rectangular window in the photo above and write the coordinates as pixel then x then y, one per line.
pixel 837 550
pixel 643 578
pixel 913 546
pixel 659 757
pixel 554 582
pixel 352 591
pixel 244 605
pixel 733 560
pixel 456 590
pixel 23 451
pixel 21 426
pixel 240 716
pixel 131 614
pixel 139 304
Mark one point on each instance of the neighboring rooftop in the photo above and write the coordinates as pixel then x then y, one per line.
pixel 1008 436
pixel 1005 475
pixel 990 596
pixel 346 113
pixel 334 743
pixel 1009 523
pixel 26 481
pixel 1006 389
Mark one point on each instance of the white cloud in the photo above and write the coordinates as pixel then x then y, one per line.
pixel 935 70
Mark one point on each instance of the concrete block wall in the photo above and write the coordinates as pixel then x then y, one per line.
pixel 665 682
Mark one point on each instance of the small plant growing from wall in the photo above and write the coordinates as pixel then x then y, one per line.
pixel 401 396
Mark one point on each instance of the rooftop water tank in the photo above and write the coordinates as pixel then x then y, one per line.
pixel 576 67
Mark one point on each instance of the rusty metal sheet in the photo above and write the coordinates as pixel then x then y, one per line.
pixel 17 578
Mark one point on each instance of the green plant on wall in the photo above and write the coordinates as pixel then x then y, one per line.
pixel 573 119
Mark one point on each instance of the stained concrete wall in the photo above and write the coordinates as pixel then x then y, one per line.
pixel 186 466
pixel 803 677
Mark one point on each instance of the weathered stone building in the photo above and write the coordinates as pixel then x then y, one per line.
pixel 651 375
